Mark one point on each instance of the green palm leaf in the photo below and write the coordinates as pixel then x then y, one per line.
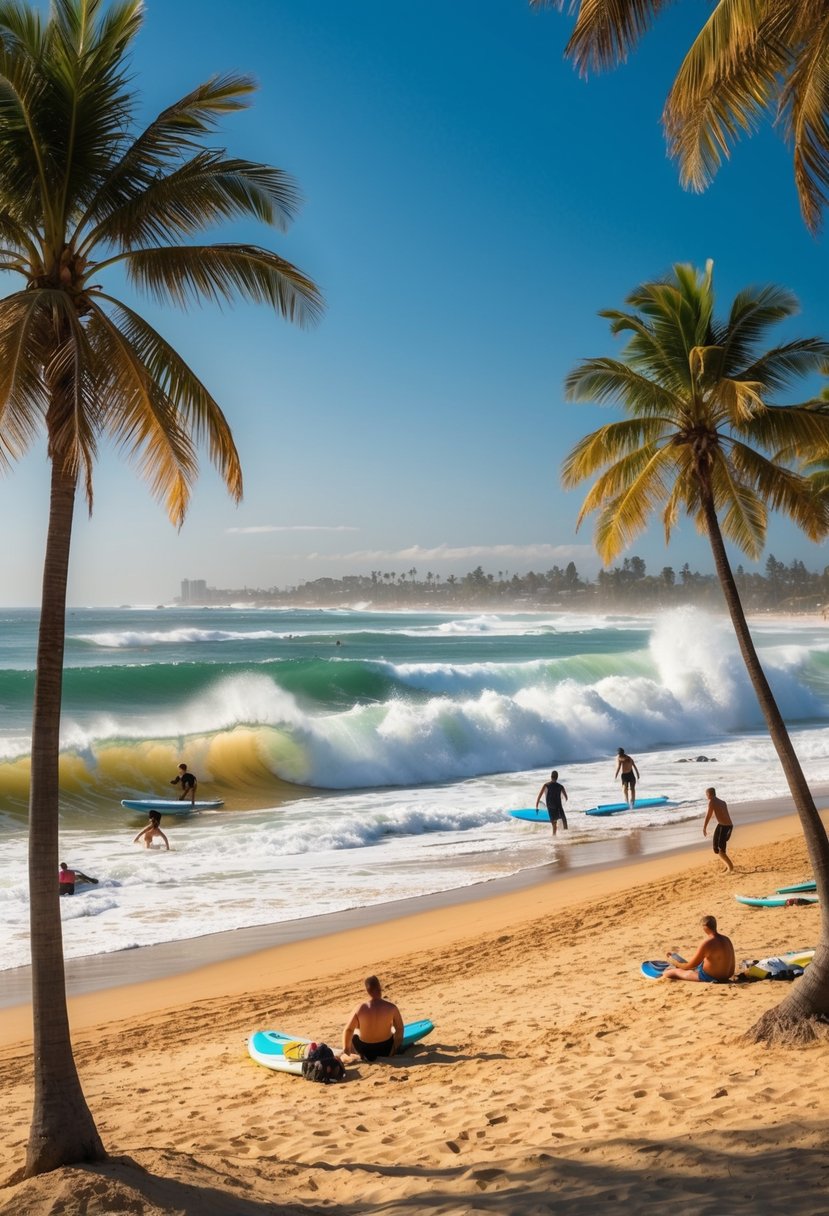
pixel 220 274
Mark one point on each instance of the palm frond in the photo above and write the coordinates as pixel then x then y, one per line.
pixel 208 188
pixel 782 489
pixel 170 137
pixel 145 424
pixel 628 471
pixel 220 273
pixel 606 381
pixel 742 513
pixel 625 516
pixel 606 30
pixel 782 366
pixel 197 412
pixel 722 89
pixel 754 311
pixel 23 395
pixel 805 106
pixel 792 432
pixel 608 444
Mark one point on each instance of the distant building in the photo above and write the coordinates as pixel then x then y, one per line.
pixel 193 591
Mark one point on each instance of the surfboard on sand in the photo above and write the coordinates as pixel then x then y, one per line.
pixel 615 808
pixel 170 806
pixel 773 901
pixel 796 888
pixel 266 1047
pixel 653 968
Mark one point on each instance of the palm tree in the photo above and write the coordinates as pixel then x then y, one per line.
pixel 702 438
pixel 81 192
pixel 750 60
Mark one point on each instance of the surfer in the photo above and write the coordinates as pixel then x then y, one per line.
pixel 553 792
pixel 188 784
pixel 67 879
pixel 626 765
pixel 151 831
pixel 379 1023
pixel 713 962
pixel 718 809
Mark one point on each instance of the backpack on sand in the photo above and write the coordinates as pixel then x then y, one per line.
pixel 323 1066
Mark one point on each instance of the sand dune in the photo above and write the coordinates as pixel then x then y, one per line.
pixel 557 1080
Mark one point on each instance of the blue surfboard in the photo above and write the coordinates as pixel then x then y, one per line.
pixel 797 887
pixel 615 808
pixel 266 1047
pixel 654 968
pixel 773 901
pixel 170 806
pixel 531 815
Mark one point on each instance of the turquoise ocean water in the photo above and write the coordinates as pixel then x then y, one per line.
pixel 364 757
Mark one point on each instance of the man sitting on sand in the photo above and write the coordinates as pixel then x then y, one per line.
pixel 379 1023
pixel 718 807
pixel 713 962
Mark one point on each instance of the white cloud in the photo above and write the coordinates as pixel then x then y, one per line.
pixel 447 553
pixel 256 529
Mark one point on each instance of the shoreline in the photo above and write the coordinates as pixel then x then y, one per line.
pixel 556 1078
pixel 151 978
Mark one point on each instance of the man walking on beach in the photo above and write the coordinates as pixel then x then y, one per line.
pixel 379 1023
pixel 626 765
pixel 553 792
pixel 718 809
pixel 714 961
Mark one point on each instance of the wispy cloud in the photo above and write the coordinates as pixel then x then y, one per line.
pixel 448 553
pixel 258 529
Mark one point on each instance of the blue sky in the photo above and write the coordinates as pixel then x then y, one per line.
pixel 470 205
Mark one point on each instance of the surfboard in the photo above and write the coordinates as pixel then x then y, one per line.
pixel 653 968
pixel 810 885
pixel 531 815
pixel 615 808
pixel 266 1047
pixel 772 901
pixel 170 806
pixel 768 968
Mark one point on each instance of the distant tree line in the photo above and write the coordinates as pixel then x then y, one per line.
pixel 784 588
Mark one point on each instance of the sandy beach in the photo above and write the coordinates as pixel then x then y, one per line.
pixel 557 1079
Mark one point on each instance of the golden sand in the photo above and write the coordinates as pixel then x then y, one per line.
pixel 557 1080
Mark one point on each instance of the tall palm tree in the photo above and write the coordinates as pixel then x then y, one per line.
pixel 701 437
pixel 752 59
pixel 82 192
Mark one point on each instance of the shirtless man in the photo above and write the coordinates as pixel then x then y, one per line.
pixel 379 1023
pixel 626 765
pixel 718 809
pixel 552 792
pixel 713 962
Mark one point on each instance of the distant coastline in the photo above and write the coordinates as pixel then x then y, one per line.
pixel 786 590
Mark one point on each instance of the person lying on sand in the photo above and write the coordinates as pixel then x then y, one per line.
pixel 379 1023
pixel 713 962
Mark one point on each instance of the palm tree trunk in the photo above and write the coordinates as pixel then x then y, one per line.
pixel 809 997
pixel 62 1130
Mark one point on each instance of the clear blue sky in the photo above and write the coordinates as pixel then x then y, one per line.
pixel 470 205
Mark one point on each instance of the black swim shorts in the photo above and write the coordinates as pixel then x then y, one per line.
pixel 629 778
pixel 722 835
pixel 372 1051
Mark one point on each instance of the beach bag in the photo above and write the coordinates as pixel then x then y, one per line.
pixel 322 1066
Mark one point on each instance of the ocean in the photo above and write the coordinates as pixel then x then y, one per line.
pixel 368 757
